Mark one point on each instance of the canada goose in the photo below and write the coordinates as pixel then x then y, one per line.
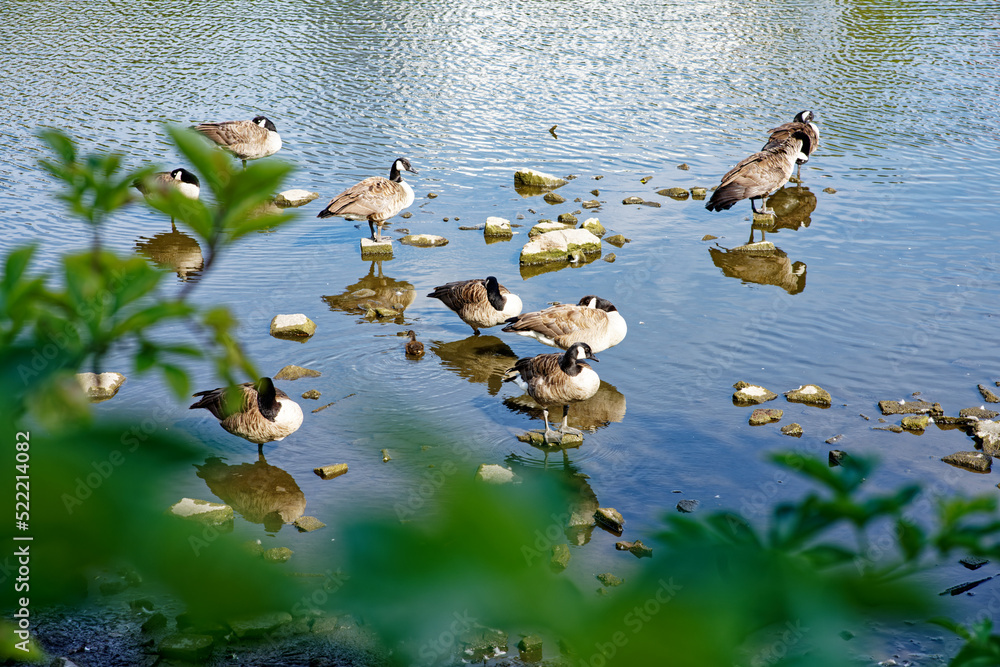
pixel 374 199
pixel 258 412
pixel 593 320
pixel 480 303
pixel 414 348
pixel 760 174
pixel 802 124
pixel 180 179
pixel 557 379
pixel 246 139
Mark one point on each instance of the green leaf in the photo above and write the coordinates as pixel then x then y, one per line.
pixel 177 378
pixel 912 539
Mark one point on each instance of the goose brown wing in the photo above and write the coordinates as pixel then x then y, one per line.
pixel 233 133
pixel 806 134
pixel 363 199
pixel 560 320
pixel 535 369
pixel 456 295
pixel 215 401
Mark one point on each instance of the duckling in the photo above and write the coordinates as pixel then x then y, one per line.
pixel 593 320
pixel 245 139
pixel 414 348
pixel 255 411
pixel 480 303
pixel 375 199
pixel 557 379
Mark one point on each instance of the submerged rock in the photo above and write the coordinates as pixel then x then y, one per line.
pixel 424 240
pixel 497 228
pixel 594 226
pixel 910 408
pixel 277 555
pixel 609 579
pixel 331 471
pixel 560 557
pixel 307 524
pixel 679 194
pixel 192 648
pixel 292 198
pixel 258 625
pixel 793 429
pixel 637 548
pixel 618 240
pixel 836 457
pixel 100 386
pixel 293 372
pixel 988 395
pixel 530 648
pixel 751 394
pixel 610 518
pixel 203 511
pixel 809 394
pixel 537 179
pixel 385 456
pixel 491 473
pixel 975 461
pixel 830 191
pixel 554 198
pixel 292 326
pixel 687 505
pixel 762 416
pixel 556 246
pixel 479 643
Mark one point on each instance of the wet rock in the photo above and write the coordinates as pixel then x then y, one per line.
pixel 610 258
pixel 554 198
pixel 406 215
pixel 973 562
pixel 679 194
pixel 193 648
pixel 376 249
pixel 568 219
pixel 975 461
pixel 987 435
pixel 203 511
pixel 424 240
pixel 537 438
pixel 758 249
pixel 331 471
pixel 141 604
pixel 637 548
pixel 830 191
pixel 762 416
pixel 560 557
pixel 594 226
pixel 479 643
pixel 474 228
pixel 312 394
pixel 253 547
pixel 432 195
pixel 976 414
pixel 591 203
pixel 293 372
pixel 610 518
pixel 325 625
pixel 891 429
pixel 836 457
pixel 988 395
pixel 645 179
pixel 259 625
pixel 834 439
pixel 609 579
pixel 547 226
pixel 751 394
pixel 292 326
pixel 385 456
pixel 618 240
pixel 766 219
pixel 100 386
pixel 381 311
pixel 292 198
pixel 277 555
pixel 687 505
pixel 962 588
pixel 556 246
pixel 910 408
pixel 633 200
pixel 497 228
pixel 537 179
pixel 793 429
pixel 698 193
pixel 307 524
pixel 708 237
pixel 809 394
pixel 154 623
pixel 915 422
pixel 530 648
pixel 491 473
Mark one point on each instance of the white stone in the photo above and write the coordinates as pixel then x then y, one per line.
pixel 491 473
pixel 537 179
pixel 100 387
pixel 295 197
pixel 754 390
pixel 497 227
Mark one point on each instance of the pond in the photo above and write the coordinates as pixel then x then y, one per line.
pixel 884 282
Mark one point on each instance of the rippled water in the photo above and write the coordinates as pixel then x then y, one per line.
pixel 885 287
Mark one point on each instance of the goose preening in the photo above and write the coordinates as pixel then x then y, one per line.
pixel 246 139
pixel 480 303
pixel 557 379
pixel 255 411
pixel 593 320
pixel 179 179
pixel 414 348
pixel 375 199
pixel 767 170
pixel 802 124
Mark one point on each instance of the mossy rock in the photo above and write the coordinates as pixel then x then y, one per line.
pixel 424 240
pixel 537 179
pixel 810 394
pixel 679 194
pixel 292 326
pixel 752 394
pixel 547 226
pixel 556 246
pixel 594 226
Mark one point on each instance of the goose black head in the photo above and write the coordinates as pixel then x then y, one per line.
pixel 401 164
pixel 804 116
pixel 265 123
pixel 267 398
pixel 497 300
pixel 577 352
pixel 592 301
pixel 184 176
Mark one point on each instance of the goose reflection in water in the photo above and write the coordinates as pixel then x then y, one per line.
pixel 792 206
pixel 479 359
pixel 762 264
pixel 597 412
pixel 372 291
pixel 581 501
pixel 259 492
pixel 173 250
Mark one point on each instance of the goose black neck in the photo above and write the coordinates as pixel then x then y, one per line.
pixel 395 175
pixel 497 300
pixel 569 363
pixel 267 399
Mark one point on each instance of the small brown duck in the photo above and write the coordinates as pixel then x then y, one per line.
pixel 414 348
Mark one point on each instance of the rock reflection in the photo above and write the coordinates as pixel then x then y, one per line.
pixel 577 522
pixel 173 250
pixel 481 359
pixel 259 492
pixel 375 295
pixel 761 263
pixel 598 411
pixel 532 270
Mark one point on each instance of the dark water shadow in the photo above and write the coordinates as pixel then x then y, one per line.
pixel 175 251
pixel 259 492
pixel 478 359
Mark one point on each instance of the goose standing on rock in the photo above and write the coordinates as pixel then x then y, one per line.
pixel 593 320
pixel 764 172
pixel 246 139
pixel 557 379
pixel 375 199
pixel 180 179
pixel 480 303
pixel 255 411
pixel 802 124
